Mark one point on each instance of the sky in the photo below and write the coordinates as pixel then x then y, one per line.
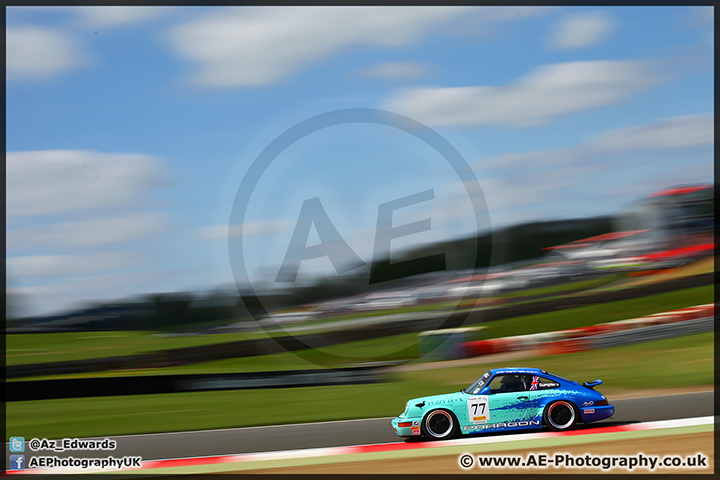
pixel 136 137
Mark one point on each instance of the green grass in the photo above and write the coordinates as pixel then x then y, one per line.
pixel 670 363
pixel 678 362
pixel 362 351
pixel 600 313
pixel 402 347
pixel 697 267
pixel 30 348
pixel 591 283
pixel 22 349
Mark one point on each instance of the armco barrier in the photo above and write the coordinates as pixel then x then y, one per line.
pixel 691 313
pixel 443 344
pixel 570 345
pixel 486 347
pixel 678 322
pixel 654 332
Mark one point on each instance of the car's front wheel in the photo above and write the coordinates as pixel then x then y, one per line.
pixel 439 425
pixel 560 416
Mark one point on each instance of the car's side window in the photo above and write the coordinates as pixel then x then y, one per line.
pixel 495 384
pixel 542 383
pixel 509 382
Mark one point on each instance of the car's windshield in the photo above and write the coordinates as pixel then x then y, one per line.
pixel 478 385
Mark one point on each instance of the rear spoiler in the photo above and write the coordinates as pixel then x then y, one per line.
pixel 592 384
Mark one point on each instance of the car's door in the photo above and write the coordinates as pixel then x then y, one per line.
pixel 509 399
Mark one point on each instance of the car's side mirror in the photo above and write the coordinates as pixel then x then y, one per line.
pixel 485 391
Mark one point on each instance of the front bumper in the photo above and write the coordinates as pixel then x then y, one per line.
pixel 593 414
pixel 406 427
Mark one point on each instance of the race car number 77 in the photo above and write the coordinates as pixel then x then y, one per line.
pixel 478 409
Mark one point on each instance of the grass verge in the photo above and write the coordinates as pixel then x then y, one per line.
pixel 32 348
pixel 579 285
pixel 27 348
pixel 678 362
pixel 601 313
pixel 400 347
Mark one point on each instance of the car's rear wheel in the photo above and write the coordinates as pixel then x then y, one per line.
pixel 561 415
pixel 439 425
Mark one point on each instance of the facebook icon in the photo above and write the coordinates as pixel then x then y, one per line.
pixel 17 462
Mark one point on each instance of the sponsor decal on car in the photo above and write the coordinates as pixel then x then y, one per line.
pixel 511 424
pixel 589 410
pixel 478 409
pixel 548 385
pixel 588 403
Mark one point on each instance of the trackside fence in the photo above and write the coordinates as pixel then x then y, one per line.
pixel 700 318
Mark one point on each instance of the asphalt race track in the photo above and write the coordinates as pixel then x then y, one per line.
pixel 359 432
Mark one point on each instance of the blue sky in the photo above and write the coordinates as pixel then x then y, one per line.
pixel 130 129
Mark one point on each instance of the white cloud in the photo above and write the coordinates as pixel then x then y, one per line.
pixel 547 92
pixel 453 213
pixel 62 203
pixel 396 71
pixel 523 182
pixel 112 16
pixel 582 30
pixel 240 47
pixel 68 265
pixel 223 232
pixel 37 53
pixel 63 293
pixel 660 179
pixel 699 17
pixel 503 193
pixel 540 158
pixel 58 181
pixel 539 194
pixel 88 233
pixel 685 131
pixel 673 132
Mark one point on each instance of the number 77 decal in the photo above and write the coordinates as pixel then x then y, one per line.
pixel 478 411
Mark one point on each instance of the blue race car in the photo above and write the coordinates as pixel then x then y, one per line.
pixel 505 399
